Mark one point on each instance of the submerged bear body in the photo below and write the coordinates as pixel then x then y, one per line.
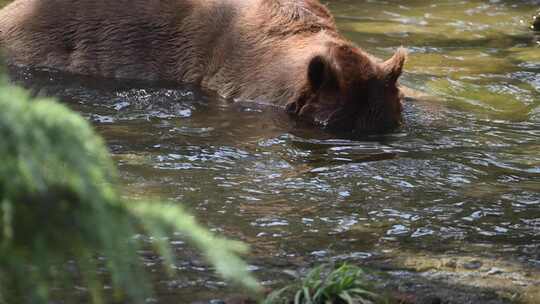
pixel 283 52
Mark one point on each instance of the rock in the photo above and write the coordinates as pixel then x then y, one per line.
pixel 536 22
pixel 494 270
pixel 404 298
pixel 472 265
pixel 235 299
pixel 432 300
pixel 451 264
pixel 240 299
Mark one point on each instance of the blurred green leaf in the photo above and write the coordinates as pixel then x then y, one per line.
pixel 59 202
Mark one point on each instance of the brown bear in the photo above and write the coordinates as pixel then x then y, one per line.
pixel 284 52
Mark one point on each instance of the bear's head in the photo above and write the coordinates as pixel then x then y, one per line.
pixel 349 90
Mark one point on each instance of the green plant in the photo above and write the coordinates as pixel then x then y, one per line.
pixel 325 285
pixel 59 202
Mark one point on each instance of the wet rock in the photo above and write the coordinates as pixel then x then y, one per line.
pixel 404 298
pixel 239 299
pixel 451 264
pixel 536 22
pixel 432 300
pixel 215 301
pixel 494 271
pixel 472 265
pixel 291 273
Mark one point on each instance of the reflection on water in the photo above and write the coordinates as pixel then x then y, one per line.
pixel 463 175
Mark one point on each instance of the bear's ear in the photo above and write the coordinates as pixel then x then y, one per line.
pixel 320 73
pixel 393 67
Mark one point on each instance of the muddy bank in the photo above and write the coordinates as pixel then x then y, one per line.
pixel 413 278
pixel 428 278
pixel 467 279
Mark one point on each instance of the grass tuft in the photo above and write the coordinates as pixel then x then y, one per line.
pixel 345 284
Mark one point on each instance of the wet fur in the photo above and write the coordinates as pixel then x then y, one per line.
pixel 246 49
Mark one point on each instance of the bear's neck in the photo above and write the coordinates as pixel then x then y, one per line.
pixel 264 47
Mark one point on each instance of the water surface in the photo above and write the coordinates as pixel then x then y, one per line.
pixel 461 177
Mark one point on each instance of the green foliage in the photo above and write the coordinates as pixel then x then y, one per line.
pixel 324 285
pixel 59 203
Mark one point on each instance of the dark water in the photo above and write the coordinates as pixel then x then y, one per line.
pixel 462 176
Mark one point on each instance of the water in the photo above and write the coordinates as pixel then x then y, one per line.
pixel 461 178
